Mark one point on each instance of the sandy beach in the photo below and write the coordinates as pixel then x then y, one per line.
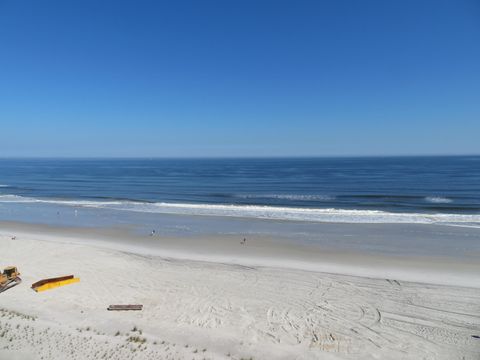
pixel 247 180
pixel 224 306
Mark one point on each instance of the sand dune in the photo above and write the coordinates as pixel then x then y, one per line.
pixel 206 310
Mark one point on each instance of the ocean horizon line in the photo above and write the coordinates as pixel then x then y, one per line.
pixel 279 157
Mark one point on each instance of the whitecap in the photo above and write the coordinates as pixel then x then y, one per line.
pixel 294 197
pixel 438 200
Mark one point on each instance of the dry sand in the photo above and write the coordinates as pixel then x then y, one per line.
pixel 210 310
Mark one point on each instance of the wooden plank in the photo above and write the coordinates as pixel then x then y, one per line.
pixel 124 307
pixel 55 284
pixel 46 281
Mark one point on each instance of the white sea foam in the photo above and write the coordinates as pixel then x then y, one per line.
pixel 438 200
pixel 2 185
pixel 263 212
pixel 14 198
pixel 297 197
pixel 85 203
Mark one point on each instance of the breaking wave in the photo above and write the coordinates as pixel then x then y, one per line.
pixel 438 200
pixel 294 197
pixel 330 215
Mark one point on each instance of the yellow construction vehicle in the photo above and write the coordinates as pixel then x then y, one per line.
pixel 9 278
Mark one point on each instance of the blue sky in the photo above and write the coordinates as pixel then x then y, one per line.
pixel 239 78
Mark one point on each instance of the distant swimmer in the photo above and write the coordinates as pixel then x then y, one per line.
pixel 152 233
pixel 76 212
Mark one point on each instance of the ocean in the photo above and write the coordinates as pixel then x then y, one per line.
pixel 424 185
pixel 423 205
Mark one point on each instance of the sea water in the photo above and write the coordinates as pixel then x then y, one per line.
pixel 303 198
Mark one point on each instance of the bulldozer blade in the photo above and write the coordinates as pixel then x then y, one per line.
pixel 10 284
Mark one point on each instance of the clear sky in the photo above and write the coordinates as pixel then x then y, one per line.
pixel 239 78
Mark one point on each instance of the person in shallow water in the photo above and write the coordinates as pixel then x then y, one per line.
pixel 152 233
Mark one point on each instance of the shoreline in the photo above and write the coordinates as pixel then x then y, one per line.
pixel 262 251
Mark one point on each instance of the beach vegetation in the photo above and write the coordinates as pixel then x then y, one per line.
pixel 137 339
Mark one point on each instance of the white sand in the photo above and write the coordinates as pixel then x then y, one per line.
pixel 207 310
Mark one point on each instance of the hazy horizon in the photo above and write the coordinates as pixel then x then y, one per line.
pixel 232 157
